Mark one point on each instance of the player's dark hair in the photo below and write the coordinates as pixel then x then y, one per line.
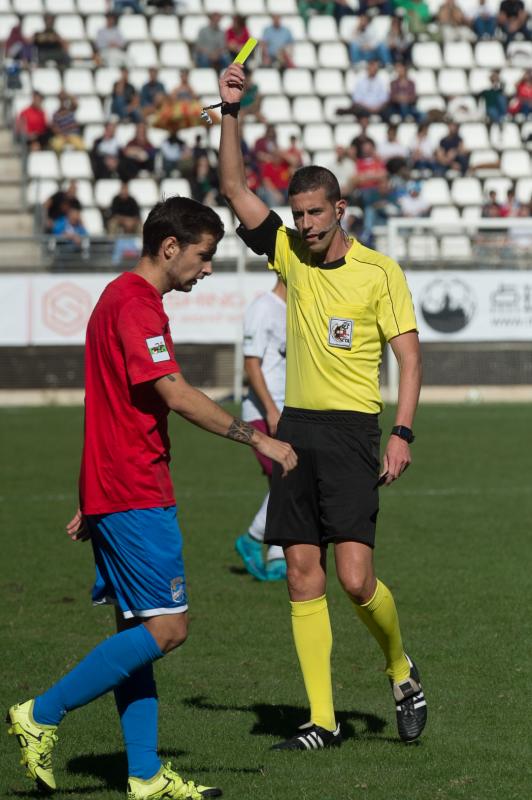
pixel 181 217
pixel 308 179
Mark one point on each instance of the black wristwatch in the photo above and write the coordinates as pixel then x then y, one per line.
pixel 403 433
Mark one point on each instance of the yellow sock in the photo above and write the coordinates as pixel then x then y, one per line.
pixel 313 639
pixel 379 615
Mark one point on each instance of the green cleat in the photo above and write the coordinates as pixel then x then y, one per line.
pixel 36 744
pixel 169 785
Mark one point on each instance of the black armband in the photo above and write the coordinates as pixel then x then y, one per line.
pixel 230 108
pixel 262 239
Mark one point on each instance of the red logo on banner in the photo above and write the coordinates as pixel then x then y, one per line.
pixel 66 308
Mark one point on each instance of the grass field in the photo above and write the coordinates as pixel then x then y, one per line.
pixel 454 544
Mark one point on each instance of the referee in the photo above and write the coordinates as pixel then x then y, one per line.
pixel 344 303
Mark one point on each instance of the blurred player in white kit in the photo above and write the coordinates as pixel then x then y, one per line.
pixel 265 365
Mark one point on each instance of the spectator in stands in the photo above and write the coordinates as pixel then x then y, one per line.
pixel 121 5
pixel 210 49
pixel 149 92
pixel 403 95
pixel 513 20
pixel 391 148
pixel 365 46
pixel 105 154
pixel 251 99
pixel 511 206
pixel 173 152
pixel 274 180
pixel 522 102
pixel 371 95
pixel 343 166
pixel 491 207
pixel 451 153
pixel 56 207
pixel 204 182
pixel 417 15
pixel 355 148
pixel 451 17
pixel 370 170
pixel 138 155
pixel 236 35
pixel 378 204
pixel 494 98
pixel 125 102
pixel 266 145
pixel 294 155
pixel 49 45
pixel 277 44
pixel 32 125
pixel 342 8
pixel 18 47
pixel 374 7
pixel 70 229
pixel 65 128
pixel 413 204
pixel 400 41
pixel 422 154
pixel 484 21
pixel 110 45
pixel 124 214
pixel 308 8
pixel 183 90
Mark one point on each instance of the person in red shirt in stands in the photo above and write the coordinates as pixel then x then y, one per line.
pixel 32 125
pixel 127 503
pixel 236 35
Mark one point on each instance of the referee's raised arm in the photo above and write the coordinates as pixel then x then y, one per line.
pixel 249 208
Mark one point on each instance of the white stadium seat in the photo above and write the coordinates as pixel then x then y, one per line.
pixel 246 7
pixel 296 25
pixel 466 191
pixel 458 55
pixel 281 6
pixel 125 132
pixel 328 82
pixel 219 6
pixel 40 190
pixel 444 213
pixel 307 109
pixel 276 109
pixel 490 55
pixel 191 25
pixel 510 77
pixel 75 164
pixel 43 164
pixel 347 28
pixel 268 81
pixel 70 27
pixel 515 163
pixel 436 192
pixel 105 190
pixel 81 51
pixel 84 192
pixel 93 222
pixel 345 132
pixel 479 79
pixel 285 130
pixel 422 246
pixel 105 78
pixel 475 136
pixel 519 54
pixel 47 80
pixel 87 7
pixel 144 190
pixel 89 110
pixel 472 212
pixel 304 55
pixel 60 6
pixel 7 21
pixel 498 185
pixel 175 186
pixel 484 162
pixel 505 137
pixel 334 55
pixel 427 55
pixel 318 136
pixel 436 132
pixel 175 54
pixel 297 82
pixel 165 28
pixel 133 27
pixel 331 105
pixel 428 103
pixel 424 81
pixel 322 29
pixel 523 190
pixel 142 54
pixel 78 81
pixel 24 7
pixel 138 77
pixel 93 24
pixel 452 82
pixel 204 81
pixel 455 247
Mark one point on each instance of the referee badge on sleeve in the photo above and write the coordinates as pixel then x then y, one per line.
pixel 157 348
pixel 341 332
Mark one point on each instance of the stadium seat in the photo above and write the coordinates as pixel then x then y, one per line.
pixel 40 190
pixel 345 132
pixel 47 80
pixel 256 24
pixel 281 7
pixel 328 82
pixel 89 110
pixel 422 246
pixel 424 81
pixel 306 110
pixel 297 82
pixel 219 6
pixel 318 136
pixel 472 212
pixel 347 28
pixel 436 132
pixel 444 213
pixel 133 27
pixel 125 131
pixel 509 77
pixel 247 7
pixel 452 82
pixel 142 54
pixel 331 105
pixel 380 26
pixel 324 158
pixel 304 55
pixel 190 25
pixel 505 137
pixel 466 191
pixel 7 21
pixel 24 7
pixel 498 185
pixel 322 29
pixel 285 130
pixel 175 186
pixel 268 81
pixel 523 190
pixel 458 55
pixel 334 55
pixel 105 78
pixel 105 190
pixel 60 7
pixel 175 54
pixel 43 164
pixel 70 27
pixel 204 81
pixel 430 103
pixel 138 77
pixel 165 28
pixel 490 55
pixel 436 192
pixel 144 190
pixel 91 133
pixel 475 135
pixel 32 23
pixel 81 51
pixel 276 109
pixel 87 7
pixel 427 55
pixel 85 192
pixel 519 54
pixel 479 79
pixel 406 134
pixel 377 131
pixel 50 105
pixel 296 25
pixel 484 162
pixel 79 81
pixel 515 163
pixel 455 247
pixel 93 222
pixel 75 164
pixel 464 109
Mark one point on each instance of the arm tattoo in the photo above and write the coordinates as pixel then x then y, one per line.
pixel 170 378
pixel 240 431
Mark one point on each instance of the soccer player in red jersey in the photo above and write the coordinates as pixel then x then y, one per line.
pixel 127 505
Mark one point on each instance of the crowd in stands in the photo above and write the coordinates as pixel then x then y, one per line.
pixel 382 178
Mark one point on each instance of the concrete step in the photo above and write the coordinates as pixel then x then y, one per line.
pixel 10 168
pixel 21 255
pixel 10 195
pixel 12 224
pixel 6 140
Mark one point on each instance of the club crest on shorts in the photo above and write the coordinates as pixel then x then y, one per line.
pixel 157 348
pixel 177 587
pixel 341 332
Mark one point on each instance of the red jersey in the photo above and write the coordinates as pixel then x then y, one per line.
pixel 126 449
pixel 34 120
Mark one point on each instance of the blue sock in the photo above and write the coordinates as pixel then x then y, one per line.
pixel 110 663
pixel 136 701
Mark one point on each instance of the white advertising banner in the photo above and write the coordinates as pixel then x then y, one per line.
pixel 450 306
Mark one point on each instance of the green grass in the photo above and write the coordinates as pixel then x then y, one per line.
pixel 453 543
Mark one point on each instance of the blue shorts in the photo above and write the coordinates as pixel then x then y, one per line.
pixel 139 561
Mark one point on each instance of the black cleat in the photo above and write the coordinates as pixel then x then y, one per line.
pixel 411 706
pixel 312 737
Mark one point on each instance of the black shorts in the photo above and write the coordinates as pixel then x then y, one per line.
pixel 332 493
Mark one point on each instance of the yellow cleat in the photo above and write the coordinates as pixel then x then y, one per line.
pixel 36 744
pixel 169 785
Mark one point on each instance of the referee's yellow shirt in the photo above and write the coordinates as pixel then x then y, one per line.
pixel 339 317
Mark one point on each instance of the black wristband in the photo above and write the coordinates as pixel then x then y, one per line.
pixel 403 433
pixel 230 108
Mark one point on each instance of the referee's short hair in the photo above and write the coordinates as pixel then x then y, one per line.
pixel 308 179
pixel 181 217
